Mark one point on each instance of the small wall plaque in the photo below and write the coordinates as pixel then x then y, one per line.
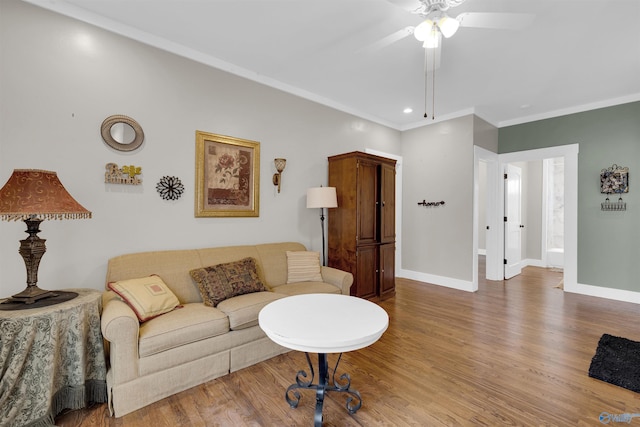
pixel 125 175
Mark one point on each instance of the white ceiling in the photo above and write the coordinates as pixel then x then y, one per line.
pixel 576 55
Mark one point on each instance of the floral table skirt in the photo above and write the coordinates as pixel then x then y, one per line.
pixel 51 358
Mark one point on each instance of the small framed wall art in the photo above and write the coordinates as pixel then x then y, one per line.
pixel 227 176
pixel 614 180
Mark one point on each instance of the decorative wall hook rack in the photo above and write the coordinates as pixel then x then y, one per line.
pixel 429 204
pixel 608 205
pixel 614 180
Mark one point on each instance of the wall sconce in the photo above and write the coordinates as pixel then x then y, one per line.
pixel 280 164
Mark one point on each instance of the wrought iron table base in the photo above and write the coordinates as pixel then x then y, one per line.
pixel 343 384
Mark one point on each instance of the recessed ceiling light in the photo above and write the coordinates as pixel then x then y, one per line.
pixel 525 106
pixel 408 110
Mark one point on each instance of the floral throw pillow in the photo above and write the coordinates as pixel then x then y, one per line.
pixel 222 281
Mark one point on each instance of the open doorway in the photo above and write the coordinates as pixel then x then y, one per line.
pixel 534 215
pixel 553 213
pixel 495 207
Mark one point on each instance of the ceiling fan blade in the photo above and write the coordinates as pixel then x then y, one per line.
pixel 386 41
pixel 408 5
pixel 500 21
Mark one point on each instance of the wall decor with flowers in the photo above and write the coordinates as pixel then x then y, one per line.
pixel 170 187
pixel 614 180
pixel 227 176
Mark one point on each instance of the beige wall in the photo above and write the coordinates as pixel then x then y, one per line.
pixel 438 166
pixel 60 78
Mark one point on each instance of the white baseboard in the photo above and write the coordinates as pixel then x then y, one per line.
pixel 463 285
pixel 532 262
pixel 608 293
pixel 433 279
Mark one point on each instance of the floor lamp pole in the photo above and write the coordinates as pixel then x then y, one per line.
pixel 324 257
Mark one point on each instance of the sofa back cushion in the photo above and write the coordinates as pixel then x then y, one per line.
pixel 174 265
pixel 273 259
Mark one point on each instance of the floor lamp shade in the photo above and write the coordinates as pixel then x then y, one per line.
pixel 322 197
pixel 32 196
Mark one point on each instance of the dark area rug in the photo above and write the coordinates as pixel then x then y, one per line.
pixel 617 361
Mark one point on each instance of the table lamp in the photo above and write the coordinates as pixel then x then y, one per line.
pixel 322 197
pixel 32 196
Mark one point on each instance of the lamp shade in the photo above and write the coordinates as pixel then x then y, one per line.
pixel 37 194
pixel 322 197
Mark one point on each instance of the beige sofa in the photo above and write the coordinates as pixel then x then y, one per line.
pixel 194 344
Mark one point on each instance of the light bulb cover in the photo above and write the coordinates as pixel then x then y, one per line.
pixel 448 26
pixel 432 41
pixel 421 32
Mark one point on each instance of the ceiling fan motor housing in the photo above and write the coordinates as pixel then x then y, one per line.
pixel 429 6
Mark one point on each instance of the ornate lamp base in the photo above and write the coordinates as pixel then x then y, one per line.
pixel 31 295
pixel 32 248
pixel 18 304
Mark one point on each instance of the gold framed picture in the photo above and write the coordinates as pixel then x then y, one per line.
pixel 227 176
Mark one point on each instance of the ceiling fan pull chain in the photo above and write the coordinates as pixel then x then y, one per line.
pixel 425 84
pixel 433 89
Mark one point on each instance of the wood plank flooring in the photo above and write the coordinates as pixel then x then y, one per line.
pixel 515 353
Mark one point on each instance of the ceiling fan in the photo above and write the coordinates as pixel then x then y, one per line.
pixel 438 23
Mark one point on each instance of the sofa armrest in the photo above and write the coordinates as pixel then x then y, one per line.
pixel 339 278
pixel 120 327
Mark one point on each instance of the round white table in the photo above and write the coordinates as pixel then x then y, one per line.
pixel 322 324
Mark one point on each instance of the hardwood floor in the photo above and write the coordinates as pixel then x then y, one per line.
pixel 514 353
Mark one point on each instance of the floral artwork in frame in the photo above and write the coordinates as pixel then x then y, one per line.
pixel 227 176
pixel 614 180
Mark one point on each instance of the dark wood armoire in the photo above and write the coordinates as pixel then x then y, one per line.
pixel 362 229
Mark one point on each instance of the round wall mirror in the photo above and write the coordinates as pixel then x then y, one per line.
pixel 122 133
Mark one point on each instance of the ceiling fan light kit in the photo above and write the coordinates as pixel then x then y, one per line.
pixel 448 25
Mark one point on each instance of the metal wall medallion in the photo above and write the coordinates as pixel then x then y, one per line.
pixel 122 133
pixel 170 188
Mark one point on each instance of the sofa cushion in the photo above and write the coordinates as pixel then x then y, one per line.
pixel 272 258
pixel 303 266
pixel 222 281
pixel 243 310
pixel 172 265
pixel 149 296
pixel 190 323
pixel 307 288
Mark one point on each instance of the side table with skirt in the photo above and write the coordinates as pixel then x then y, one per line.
pixel 51 359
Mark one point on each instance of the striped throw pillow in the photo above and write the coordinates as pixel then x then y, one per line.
pixel 303 266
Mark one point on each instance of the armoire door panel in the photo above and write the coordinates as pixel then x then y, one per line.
pixel 367 185
pixel 387 270
pixel 367 276
pixel 388 202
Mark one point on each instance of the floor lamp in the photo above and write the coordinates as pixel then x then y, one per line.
pixel 322 197
pixel 32 196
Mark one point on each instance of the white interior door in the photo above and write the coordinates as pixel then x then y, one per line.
pixel 513 222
